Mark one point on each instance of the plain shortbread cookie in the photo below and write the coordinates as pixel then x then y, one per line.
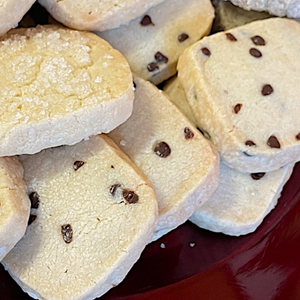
pixel 59 86
pixel 11 13
pixel 241 201
pixel 14 204
pixel 281 8
pixel 243 87
pixel 182 165
pixel 94 214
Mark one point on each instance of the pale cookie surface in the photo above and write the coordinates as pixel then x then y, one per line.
pixel 182 165
pixel 243 87
pixel 59 86
pixel 14 204
pixel 93 213
pixel 241 201
pixel 153 42
pixel 96 14
pixel 176 93
pixel 11 13
pixel 281 8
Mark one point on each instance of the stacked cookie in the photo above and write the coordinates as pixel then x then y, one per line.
pixel 279 8
pixel 90 202
pixel 182 165
pixel 233 83
pixel 242 199
pixel 10 16
pixel 89 209
pixel 92 214
pixel 83 203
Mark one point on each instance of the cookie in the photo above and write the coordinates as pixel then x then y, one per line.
pixel 241 201
pixel 96 15
pixel 94 212
pixel 153 41
pixel 236 83
pixel 181 164
pixel 176 93
pixel 60 86
pixel 279 8
pixel 14 204
pixel 229 16
pixel 10 16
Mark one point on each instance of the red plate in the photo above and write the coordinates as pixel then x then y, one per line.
pixel 191 263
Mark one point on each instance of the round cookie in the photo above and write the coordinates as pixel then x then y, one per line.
pixel 59 86
pixel 96 14
pixel 279 8
pixel 14 204
pixel 11 13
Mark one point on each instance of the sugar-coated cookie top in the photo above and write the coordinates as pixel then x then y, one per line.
pixel 279 8
pixel 59 86
pixel 49 70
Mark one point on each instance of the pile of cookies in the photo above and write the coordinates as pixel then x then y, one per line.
pixel 96 161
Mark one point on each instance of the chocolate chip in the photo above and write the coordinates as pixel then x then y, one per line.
pixel 112 166
pixel 231 37
pixel 67 233
pixel 237 108
pixel 34 199
pixel 258 40
pixel 188 134
pixel 273 142
pixel 255 52
pixel 159 57
pixel 250 143
pixel 162 149
pixel 78 164
pixel 114 188
pixel 257 176
pixel 267 90
pixel 130 196
pixel 298 136
pixel 146 21
pixel 134 84
pixel 205 51
pixel 152 67
pixel 182 37
pixel 31 219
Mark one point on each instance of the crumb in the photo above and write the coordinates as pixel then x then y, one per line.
pixel 162 245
